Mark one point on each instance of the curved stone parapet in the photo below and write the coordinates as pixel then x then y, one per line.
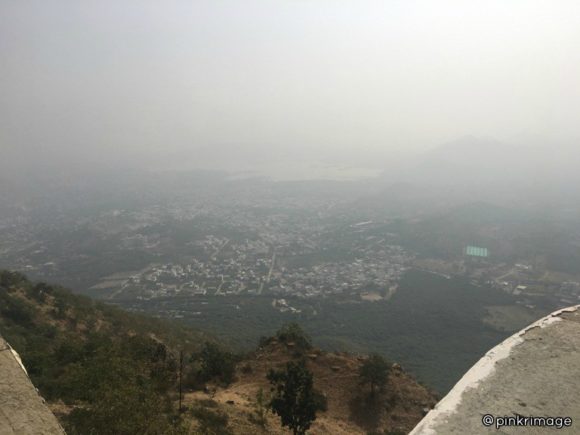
pixel 528 384
pixel 22 410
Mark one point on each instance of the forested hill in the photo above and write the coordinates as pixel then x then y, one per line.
pixel 98 366
pixel 106 371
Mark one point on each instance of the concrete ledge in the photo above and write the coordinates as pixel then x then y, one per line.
pixel 22 410
pixel 534 373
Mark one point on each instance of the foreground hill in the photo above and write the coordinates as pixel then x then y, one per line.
pixel 105 371
pixel 336 377
pixel 102 370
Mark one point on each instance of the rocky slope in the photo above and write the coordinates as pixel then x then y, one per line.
pixel 396 411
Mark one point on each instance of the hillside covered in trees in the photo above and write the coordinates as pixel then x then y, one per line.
pixel 106 371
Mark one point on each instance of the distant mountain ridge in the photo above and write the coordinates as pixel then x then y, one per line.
pixel 485 169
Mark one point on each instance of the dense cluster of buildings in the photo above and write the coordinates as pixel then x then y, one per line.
pixel 254 267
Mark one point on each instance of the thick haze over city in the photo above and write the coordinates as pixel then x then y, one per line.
pixel 257 85
pixel 195 194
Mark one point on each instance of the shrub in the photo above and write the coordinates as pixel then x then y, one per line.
pixel 211 422
pixel 217 364
pixel 293 333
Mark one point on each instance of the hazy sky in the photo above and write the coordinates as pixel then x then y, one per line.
pixel 195 81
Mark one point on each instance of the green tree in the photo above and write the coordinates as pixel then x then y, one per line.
pixel 293 397
pixel 374 372
pixel 217 363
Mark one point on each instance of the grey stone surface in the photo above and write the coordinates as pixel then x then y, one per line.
pixel 533 373
pixel 22 410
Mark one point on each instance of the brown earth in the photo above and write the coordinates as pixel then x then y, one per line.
pixel 397 410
